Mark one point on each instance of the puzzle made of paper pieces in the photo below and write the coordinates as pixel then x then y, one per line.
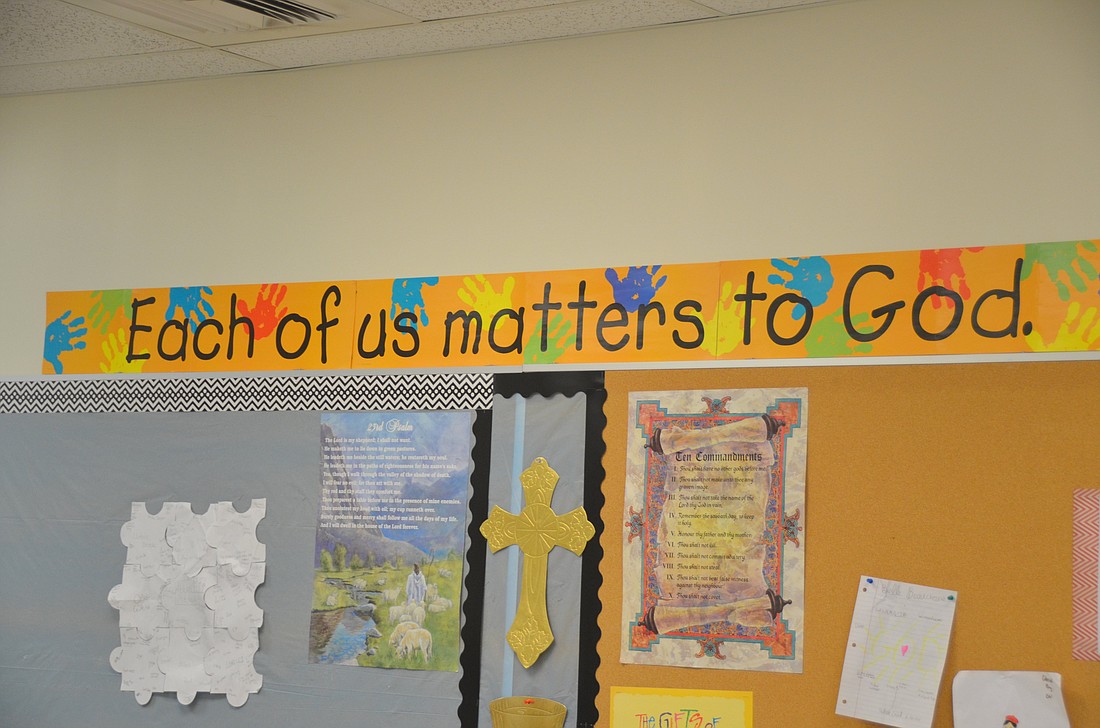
pixel 188 618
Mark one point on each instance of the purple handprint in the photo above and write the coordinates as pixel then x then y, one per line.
pixel 407 296
pixel 811 277
pixel 61 336
pixel 190 302
pixel 638 287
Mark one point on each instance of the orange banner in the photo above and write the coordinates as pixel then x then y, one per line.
pixel 1039 297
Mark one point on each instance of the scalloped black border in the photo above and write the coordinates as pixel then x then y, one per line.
pixel 474 605
pixel 525 385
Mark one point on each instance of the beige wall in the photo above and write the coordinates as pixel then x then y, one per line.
pixel 851 127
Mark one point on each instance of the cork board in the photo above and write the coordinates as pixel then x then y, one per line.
pixel 955 476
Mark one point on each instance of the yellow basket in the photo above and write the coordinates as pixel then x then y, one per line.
pixel 524 712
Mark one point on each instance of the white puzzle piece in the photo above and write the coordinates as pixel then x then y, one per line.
pixel 183 663
pixel 229 664
pixel 188 617
pixel 233 599
pixel 233 535
pixel 137 660
pixel 138 601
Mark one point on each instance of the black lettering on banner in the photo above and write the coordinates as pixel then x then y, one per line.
pixel 956 313
pixel 135 328
pixel 545 307
pixel 579 306
pixel 379 348
pixel 326 322
pixel 234 322
pixel 643 311
pixel 605 322
pixel 807 320
pixel 181 352
pixel 408 329
pixel 213 352
pixel 307 330
pixel 517 342
pixel 467 318
pixel 889 310
pixel 695 321
pixel 747 298
pixel 1013 295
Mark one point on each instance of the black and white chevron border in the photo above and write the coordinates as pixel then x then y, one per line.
pixel 249 393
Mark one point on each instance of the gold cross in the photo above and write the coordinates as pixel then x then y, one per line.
pixel 536 530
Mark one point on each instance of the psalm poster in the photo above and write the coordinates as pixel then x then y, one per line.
pixel 714 539
pixel 390 539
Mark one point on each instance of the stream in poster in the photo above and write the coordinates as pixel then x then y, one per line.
pixel 713 567
pixel 391 529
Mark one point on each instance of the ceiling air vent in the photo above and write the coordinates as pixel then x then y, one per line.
pixel 224 22
pixel 285 10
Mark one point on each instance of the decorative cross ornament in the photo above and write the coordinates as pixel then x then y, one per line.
pixel 536 530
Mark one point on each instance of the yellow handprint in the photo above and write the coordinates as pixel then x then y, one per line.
pixel 479 295
pixel 1082 338
pixel 114 355
pixel 727 323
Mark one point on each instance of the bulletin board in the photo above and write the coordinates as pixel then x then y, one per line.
pixel 953 476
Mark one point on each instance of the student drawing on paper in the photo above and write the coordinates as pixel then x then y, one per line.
pixel 711 558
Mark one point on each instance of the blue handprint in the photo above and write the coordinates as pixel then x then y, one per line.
pixel 190 302
pixel 811 277
pixel 637 288
pixel 407 296
pixel 62 337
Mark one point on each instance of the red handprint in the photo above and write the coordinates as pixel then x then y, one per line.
pixel 263 314
pixel 942 267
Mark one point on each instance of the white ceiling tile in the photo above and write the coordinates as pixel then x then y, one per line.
pixel 440 9
pixel 92 73
pixel 40 31
pixel 556 21
pixel 738 7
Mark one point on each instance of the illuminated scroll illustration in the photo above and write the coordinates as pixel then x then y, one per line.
pixel 713 568
pixel 536 530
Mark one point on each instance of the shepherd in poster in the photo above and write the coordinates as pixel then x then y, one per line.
pixel 713 569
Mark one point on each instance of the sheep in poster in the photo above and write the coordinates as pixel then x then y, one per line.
pixel 413 640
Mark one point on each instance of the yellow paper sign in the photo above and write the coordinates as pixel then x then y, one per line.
pixel 673 708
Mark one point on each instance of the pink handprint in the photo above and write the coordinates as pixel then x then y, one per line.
pixel 265 314
pixel 943 267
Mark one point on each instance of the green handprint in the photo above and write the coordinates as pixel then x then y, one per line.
pixel 727 323
pixel 114 355
pixel 1073 335
pixel 828 337
pixel 1059 260
pixel 108 305
pixel 558 339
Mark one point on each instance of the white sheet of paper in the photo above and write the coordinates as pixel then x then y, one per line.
pixel 896 652
pixel 989 698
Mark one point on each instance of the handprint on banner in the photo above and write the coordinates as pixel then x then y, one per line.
pixel 407 295
pixel 728 322
pixel 480 295
pixel 193 307
pixel 265 314
pixel 114 350
pixel 811 278
pixel 110 303
pixel 62 336
pixel 558 339
pixel 828 337
pixel 1064 263
pixel 637 287
pixel 1074 334
pixel 943 267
